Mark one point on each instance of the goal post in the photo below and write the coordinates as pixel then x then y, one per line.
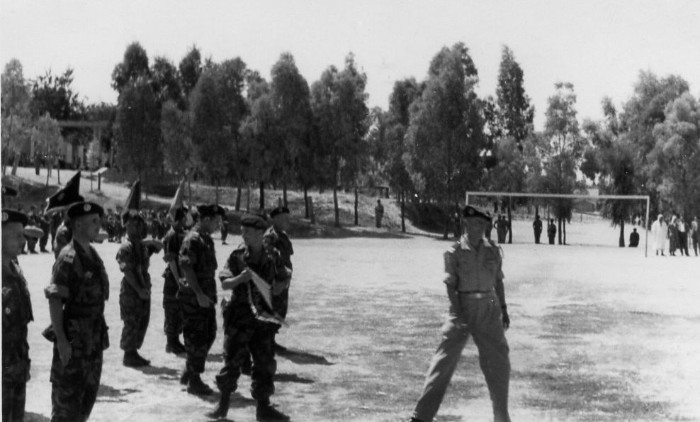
pixel 574 196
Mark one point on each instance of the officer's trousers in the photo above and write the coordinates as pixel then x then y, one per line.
pixel 481 319
pixel 14 395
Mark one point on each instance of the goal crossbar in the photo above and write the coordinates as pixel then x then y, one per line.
pixel 574 196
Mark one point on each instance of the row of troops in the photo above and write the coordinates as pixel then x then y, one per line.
pixel 79 288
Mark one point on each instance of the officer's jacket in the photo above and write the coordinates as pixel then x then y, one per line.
pixel 134 256
pixel 473 269
pixel 171 250
pixel 278 239
pixel 16 315
pixel 197 252
pixel 80 281
pixel 269 266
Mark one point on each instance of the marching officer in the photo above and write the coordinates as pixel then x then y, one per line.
pixel 198 263
pixel 474 280
pixel 77 293
pixel 17 314
pixel 250 323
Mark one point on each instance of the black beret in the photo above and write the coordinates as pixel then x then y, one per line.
pixel 84 208
pixel 9 191
pixel 210 210
pixel 11 216
pixel 279 210
pixel 254 220
pixel 472 211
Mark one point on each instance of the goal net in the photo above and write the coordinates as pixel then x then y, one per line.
pixel 587 225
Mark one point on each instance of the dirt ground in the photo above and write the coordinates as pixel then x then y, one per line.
pixel 599 333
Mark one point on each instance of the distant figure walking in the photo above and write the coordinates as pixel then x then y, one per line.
pixel 672 236
pixel 659 232
pixel 694 235
pixel 634 239
pixel 537 228
pixel 551 231
pixel 378 213
pixel 682 236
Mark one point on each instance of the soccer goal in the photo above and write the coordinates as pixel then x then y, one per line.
pixel 579 197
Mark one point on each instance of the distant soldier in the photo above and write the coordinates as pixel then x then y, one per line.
pixel 551 231
pixel 135 293
pixel 537 228
pixel 198 299
pixel 474 281
pixel 33 221
pixel 378 213
pixel 45 226
pixel 277 237
pixel 61 200
pixel 173 280
pixel 77 293
pixel 16 316
pixel 249 323
pixel 224 229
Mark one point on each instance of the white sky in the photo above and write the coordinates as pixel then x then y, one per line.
pixel 599 46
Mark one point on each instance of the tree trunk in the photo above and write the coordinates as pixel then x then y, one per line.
pixel 247 206
pixel 306 202
pixel 510 222
pixel 15 164
pixel 356 200
pixel 216 192
pixel 622 234
pixel 564 228
pixel 284 192
pixel 189 191
pixel 335 206
pixel 403 215
pixel 448 222
pixel 262 195
pixel 238 196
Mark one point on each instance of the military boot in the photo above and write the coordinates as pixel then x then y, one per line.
pixel 222 408
pixel 265 412
pixel 197 387
pixel 174 346
pixel 185 377
pixel 132 359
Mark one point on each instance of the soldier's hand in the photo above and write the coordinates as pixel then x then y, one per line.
pixel 203 300
pixel 506 318
pixel 64 351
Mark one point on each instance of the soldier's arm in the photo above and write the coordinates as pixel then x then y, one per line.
pixel 170 256
pixel 131 274
pixel 451 278
pixel 57 292
pixel 231 276
pixel 500 290
pixel 188 257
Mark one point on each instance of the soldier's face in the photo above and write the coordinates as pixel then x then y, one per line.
pixel 12 239
pixel 281 222
pixel 475 227
pixel 252 237
pixel 88 226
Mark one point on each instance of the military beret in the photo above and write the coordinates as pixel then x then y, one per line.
pixel 210 210
pixel 279 210
pixel 9 191
pixel 254 220
pixel 131 214
pixel 84 208
pixel 11 216
pixel 472 211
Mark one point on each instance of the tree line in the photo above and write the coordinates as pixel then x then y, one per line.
pixel 438 138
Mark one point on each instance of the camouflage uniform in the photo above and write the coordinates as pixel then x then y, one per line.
pixel 17 313
pixel 243 330
pixel 61 238
pixel 80 281
pixel 171 305
pixel 135 312
pixel 279 240
pixel 199 324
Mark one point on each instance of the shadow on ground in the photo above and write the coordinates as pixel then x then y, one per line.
pixel 303 358
pixel 161 371
pixel 107 393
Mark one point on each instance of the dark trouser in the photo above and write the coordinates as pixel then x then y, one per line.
pixel 537 237
pixel 172 308
pixel 14 395
pixel 481 319
pixel 695 244
pixel 199 331
pixel 551 240
pixel 44 240
pixel 74 387
pixel 31 244
pixel 241 338
pixel 136 313
pixel 683 242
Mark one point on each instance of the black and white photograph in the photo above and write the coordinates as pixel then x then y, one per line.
pixel 361 211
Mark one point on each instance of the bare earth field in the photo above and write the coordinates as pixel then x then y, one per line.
pixel 598 333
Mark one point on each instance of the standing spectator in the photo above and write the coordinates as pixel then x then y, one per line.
pixel 672 236
pixel 224 229
pixel 537 228
pixel 694 235
pixel 682 236
pixel 501 228
pixel 659 233
pixel 551 231
pixel 378 213
pixel 45 226
pixel 634 239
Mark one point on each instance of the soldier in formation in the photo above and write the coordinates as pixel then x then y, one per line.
pixel 198 263
pixel 17 314
pixel 173 280
pixel 256 275
pixel 77 293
